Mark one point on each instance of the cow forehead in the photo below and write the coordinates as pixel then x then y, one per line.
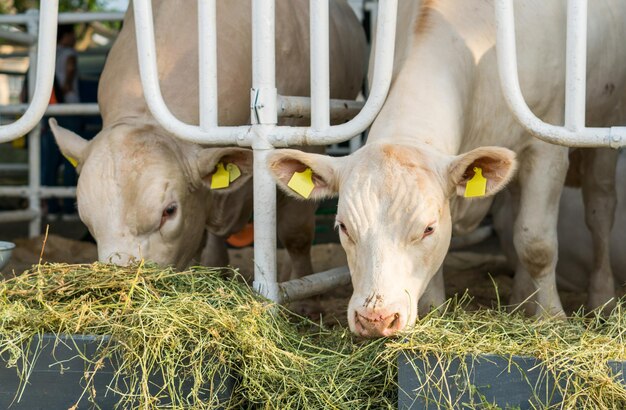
pixel 384 169
pixel 393 189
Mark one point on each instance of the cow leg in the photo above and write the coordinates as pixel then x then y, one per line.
pixel 296 230
pixel 599 196
pixel 434 295
pixel 215 252
pixel 522 294
pixel 541 176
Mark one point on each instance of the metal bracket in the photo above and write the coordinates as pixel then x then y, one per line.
pixel 263 107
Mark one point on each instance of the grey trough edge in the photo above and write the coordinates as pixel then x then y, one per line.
pixel 519 382
pixel 57 376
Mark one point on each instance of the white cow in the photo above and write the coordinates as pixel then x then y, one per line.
pixel 142 192
pixel 443 119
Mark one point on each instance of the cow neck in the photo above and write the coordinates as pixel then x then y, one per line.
pixel 429 96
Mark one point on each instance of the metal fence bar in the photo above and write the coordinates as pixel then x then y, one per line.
pixel 25 191
pixel 54 109
pixel 576 65
pixel 264 115
pixel 320 65
pixel 383 70
pixel 280 136
pixel 314 284
pixel 63 18
pixel 578 135
pixel 207 63
pixel 44 56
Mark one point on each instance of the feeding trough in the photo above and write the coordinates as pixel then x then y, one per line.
pixel 6 249
pixel 61 371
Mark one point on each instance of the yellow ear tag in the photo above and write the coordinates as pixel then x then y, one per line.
pixel 477 185
pixel 233 172
pixel 71 161
pixel 220 178
pixel 302 182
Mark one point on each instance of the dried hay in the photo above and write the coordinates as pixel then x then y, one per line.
pixel 193 323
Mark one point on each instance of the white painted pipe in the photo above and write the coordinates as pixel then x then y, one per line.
pixel 300 107
pixel 264 192
pixel 320 65
pixel 314 284
pixel 264 114
pixel 576 65
pixel 17 216
pixel 44 54
pixel 37 66
pixel 42 191
pixel 383 70
pixel 54 109
pixel 207 63
pixel 63 18
pixel 146 50
pixel 17 37
pixel 507 68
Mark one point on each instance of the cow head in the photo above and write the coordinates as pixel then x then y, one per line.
pixel 393 218
pixel 144 194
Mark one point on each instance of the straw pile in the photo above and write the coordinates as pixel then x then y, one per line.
pixel 193 324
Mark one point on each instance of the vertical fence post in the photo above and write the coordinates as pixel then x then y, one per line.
pixel 576 67
pixel 320 66
pixel 34 137
pixel 264 114
pixel 207 63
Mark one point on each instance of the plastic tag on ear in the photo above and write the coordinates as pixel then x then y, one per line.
pixel 302 182
pixel 220 178
pixel 233 172
pixel 71 161
pixel 477 186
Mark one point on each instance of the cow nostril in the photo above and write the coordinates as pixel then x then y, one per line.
pixel 395 322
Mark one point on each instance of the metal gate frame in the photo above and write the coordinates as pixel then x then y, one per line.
pixel 263 136
pixel 574 133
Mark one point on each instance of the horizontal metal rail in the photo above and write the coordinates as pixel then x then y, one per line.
pixel 63 18
pixel 574 133
pixel 300 107
pixel 314 284
pixel 54 109
pixel 43 191
pixel 18 216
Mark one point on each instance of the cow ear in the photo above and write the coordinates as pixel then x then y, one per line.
pixel 224 170
pixel 496 164
pixel 316 176
pixel 72 145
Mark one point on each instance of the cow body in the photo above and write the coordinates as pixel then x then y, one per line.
pixel 401 196
pixel 144 193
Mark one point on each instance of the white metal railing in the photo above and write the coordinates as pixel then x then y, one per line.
pixel 266 106
pixel 264 134
pixel 41 26
pixel 574 133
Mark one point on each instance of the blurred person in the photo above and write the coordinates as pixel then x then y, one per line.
pixel 54 167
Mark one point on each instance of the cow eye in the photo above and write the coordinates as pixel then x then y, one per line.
pixel 168 213
pixel 343 228
pixel 428 231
